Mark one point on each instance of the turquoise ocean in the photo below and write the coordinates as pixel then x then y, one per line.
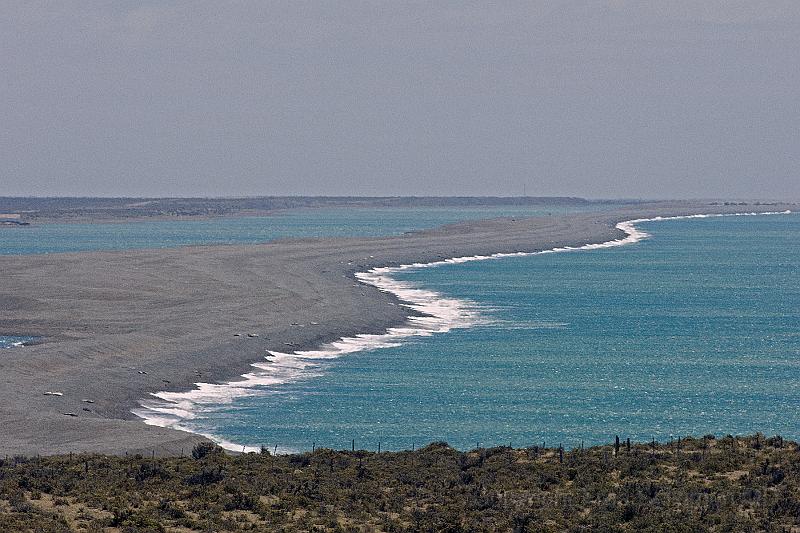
pixel 693 330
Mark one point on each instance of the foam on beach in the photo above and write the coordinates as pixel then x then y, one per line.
pixel 436 313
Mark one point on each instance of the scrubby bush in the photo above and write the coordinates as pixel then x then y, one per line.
pixel 727 484
pixel 203 449
pixel 206 476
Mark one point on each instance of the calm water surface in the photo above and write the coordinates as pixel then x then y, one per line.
pixel 331 222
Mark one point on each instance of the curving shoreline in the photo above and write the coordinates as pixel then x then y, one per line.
pixel 120 326
pixel 439 314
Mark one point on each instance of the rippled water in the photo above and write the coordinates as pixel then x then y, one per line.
pixel 692 331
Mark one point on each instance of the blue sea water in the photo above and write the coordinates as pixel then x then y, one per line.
pixel 695 330
pixel 298 223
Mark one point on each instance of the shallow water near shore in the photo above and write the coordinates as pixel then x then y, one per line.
pixel 14 342
pixel 692 331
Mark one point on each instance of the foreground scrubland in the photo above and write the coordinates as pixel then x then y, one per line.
pixel 718 484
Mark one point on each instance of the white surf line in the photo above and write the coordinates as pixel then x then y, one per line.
pixel 439 314
pixel 634 234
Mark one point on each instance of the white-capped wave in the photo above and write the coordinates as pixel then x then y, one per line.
pixel 437 314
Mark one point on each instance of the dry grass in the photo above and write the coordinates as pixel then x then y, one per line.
pixel 730 484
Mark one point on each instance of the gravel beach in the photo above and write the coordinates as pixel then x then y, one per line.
pixel 117 326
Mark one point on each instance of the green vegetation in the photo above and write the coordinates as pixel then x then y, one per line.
pixel 728 484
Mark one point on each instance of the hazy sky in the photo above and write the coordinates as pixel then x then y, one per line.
pixel 588 98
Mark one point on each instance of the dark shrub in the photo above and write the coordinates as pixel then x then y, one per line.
pixel 203 449
pixel 151 470
pixel 206 476
pixel 169 510
pixel 239 500
pixel 300 460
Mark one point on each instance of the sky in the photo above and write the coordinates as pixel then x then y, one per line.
pixel 600 99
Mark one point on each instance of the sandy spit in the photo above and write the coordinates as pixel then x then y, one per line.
pixel 117 326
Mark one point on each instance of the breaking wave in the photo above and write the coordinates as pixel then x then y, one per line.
pixel 437 313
